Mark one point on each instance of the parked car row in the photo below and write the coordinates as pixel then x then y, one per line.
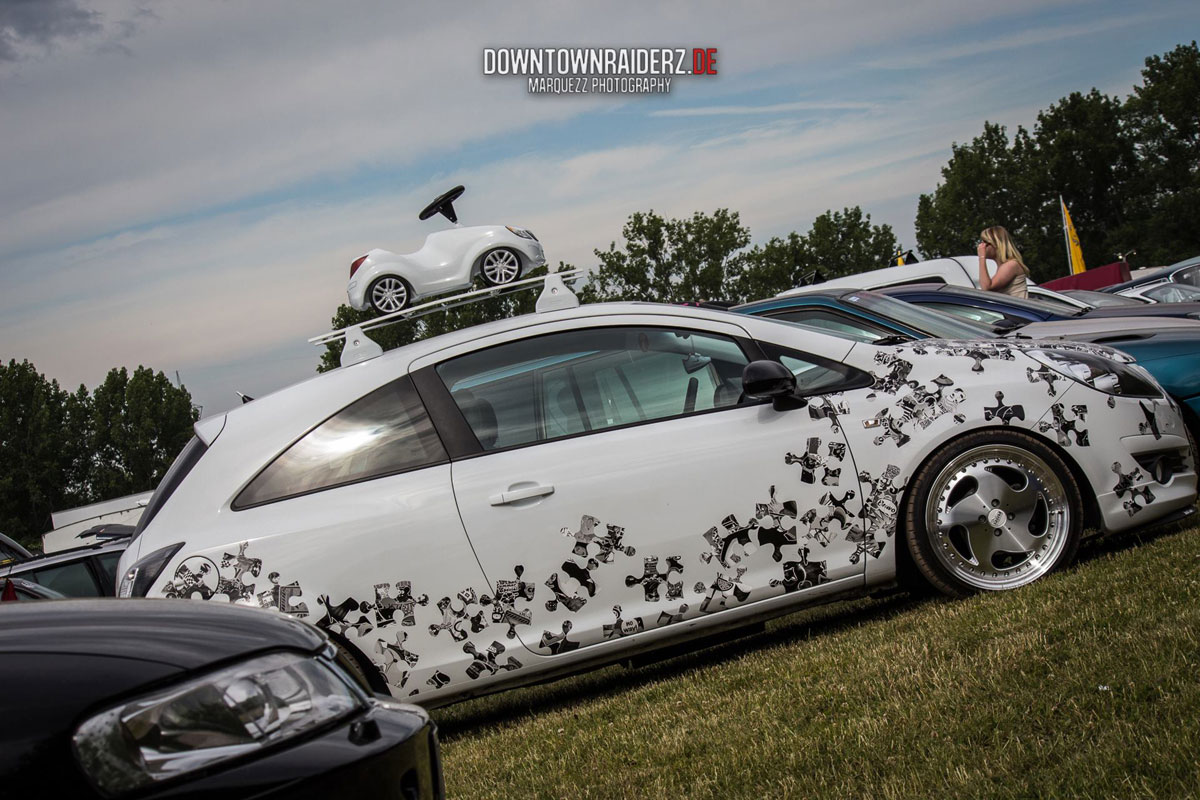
pixel 550 493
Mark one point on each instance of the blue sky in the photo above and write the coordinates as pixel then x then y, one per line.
pixel 186 182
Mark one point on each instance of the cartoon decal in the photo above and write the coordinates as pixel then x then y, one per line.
pixel 1002 412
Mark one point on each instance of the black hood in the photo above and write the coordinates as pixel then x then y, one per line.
pixel 186 634
pixel 62 660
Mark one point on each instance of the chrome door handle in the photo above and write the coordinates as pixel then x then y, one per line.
pixel 513 495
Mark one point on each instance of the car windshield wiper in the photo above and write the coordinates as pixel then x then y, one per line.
pixel 1004 326
pixel 895 338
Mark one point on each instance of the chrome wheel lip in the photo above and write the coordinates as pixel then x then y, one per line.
pixel 1040 478
pixel 500 266
pixel 389 294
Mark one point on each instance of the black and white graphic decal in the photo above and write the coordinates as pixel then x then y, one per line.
pixel 1067 429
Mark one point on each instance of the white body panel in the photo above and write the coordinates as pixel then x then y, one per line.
pixel 956 271
pixel 447 262
pixel 417 571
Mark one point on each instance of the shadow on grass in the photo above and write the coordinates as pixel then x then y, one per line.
pixel 478 715
pixel 494 710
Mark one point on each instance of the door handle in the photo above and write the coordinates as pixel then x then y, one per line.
pixel 524 493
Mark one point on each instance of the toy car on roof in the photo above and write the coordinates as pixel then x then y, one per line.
pixel 449 261
pixel 548 493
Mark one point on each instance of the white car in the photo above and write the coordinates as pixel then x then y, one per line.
pixel 388 282
pixel 549 493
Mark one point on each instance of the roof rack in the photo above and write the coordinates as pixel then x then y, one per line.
pixel 360 347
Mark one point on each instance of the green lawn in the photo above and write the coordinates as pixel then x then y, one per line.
pixel 1084 685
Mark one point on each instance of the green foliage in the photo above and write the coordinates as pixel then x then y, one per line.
pixel 671 261
pixel 1129 172
pixel 1165 114
pixel 139 425
pixel 60 449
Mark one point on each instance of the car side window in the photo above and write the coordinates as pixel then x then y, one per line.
pixel 814 374
pixel 576 382
pixel 838 324
pixel 73 580
pixel 383 433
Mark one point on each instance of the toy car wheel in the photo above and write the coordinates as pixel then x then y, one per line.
pixel 389 294
pixel 500 266
pixel 993 511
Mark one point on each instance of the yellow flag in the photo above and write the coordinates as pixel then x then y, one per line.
pixel 1074 251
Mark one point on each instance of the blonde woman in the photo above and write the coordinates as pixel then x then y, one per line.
pixel 1012 276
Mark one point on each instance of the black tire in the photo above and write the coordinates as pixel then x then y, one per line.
pixel 388 294
pixel 500 266
pixel 967 533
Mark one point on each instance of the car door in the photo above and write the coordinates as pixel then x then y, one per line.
pixel 622 483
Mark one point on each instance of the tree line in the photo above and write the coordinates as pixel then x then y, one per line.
pixel 60 449
pixel 1128 169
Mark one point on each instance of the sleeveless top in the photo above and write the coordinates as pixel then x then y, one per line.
pixel 1018 286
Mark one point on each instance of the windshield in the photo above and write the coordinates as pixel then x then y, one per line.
pixel 932 323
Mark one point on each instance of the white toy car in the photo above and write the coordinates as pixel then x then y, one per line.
pixel 387 282
pixel 544 494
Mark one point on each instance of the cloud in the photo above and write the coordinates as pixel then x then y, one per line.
pixel 775 108
pixel 40 23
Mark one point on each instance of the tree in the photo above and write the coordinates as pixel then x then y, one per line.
pixel 1164 119
pixel 139 424
pixel 671 260
pixel 983 184
pixel 39 450
pixel 845 242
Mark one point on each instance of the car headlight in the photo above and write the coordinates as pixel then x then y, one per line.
pixel 138 579
pixel 1102 374
pixel 523 233
pixel 224 715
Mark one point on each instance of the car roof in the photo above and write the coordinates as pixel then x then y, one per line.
pixel 66 556
pixel 315 398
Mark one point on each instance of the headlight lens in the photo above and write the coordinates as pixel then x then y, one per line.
pixel 138 579
pixel 522 232
pixel 207 720
pixel 1102 374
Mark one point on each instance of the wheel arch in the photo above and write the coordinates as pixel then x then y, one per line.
pixel 365 664
pixel 1091 509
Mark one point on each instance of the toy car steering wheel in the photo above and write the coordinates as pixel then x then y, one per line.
pixel 443 205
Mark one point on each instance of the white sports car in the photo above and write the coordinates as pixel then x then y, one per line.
pixel 387 282
pixel 553 492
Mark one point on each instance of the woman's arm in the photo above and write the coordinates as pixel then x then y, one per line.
pixel 1006 273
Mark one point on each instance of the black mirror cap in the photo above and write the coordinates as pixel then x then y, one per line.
pixel 767 380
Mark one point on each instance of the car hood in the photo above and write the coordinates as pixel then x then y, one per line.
pixel 177 633
pixel 1095 326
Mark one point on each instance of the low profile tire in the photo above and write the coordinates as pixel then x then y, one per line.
pixel 992 511
pixel 389 294
pixel 500 266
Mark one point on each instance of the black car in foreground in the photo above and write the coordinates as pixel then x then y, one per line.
pixel 169 698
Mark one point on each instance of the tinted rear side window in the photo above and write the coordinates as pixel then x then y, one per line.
pixel 383 433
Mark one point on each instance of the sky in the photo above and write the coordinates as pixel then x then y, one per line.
pixel 184 183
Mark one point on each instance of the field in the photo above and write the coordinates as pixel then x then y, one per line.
pixel 1084 685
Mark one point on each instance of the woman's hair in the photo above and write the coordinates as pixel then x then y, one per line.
pixel 998 238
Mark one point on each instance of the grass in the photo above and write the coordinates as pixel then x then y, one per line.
pixel 1084 685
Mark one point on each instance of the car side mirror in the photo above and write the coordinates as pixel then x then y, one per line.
pixel 763 380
